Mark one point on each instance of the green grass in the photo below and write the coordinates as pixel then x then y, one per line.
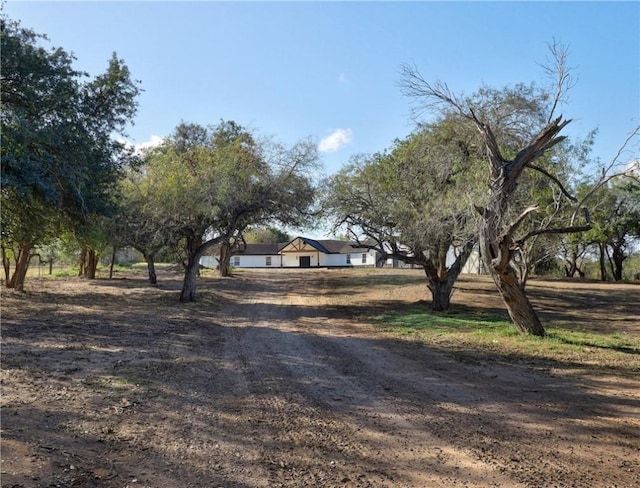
pixel 458 320
pixel 71 271
pixel 469 332
pixel 63 273
pixel 583 339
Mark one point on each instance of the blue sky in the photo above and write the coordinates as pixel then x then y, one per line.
pixel 329 70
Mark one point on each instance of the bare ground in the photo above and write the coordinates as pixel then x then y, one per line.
pixel 278 379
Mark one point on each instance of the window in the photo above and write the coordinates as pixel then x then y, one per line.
pixel 236 260
pixel 268 261
pixel 348 258
pixel 364 258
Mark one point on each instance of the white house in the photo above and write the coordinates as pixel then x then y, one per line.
pixel 301 252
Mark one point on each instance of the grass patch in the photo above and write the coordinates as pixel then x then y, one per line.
pixel 457 320
pixel 468 332
pixel 616 341
pixel 63 273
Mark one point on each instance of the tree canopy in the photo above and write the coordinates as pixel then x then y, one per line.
pixel 412 202
pixel 208 184
pixel 60 161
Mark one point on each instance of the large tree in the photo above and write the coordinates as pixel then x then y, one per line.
pixel 518 126
pixel 60 161
pixel 412 202
pixel 207 184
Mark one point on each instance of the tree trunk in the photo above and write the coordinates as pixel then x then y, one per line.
pixel 440 294
pixel 188 293
pixel 496 253
pixel 573 268
pixel 113 260
pixel 442 279
pixel 518 305
pixel 224 264
pixel 618 260
pixel 603 264
pixel 151 267
pixel 6 264
pixel 91 264
pixel 194 250
pixel 82 262
pixel 22 265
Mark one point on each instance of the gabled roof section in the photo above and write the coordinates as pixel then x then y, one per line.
pixel 319 245
pixel 302 244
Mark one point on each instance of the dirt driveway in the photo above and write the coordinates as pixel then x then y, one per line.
pixel 272 379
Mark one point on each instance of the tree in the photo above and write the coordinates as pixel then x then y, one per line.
pixel 59 160
pixel 292 195
pixel 573 252
pixel 555 205
pixel 23 228
pixel 616 222
pixel 411 204
pixel 522 117
pixel 266 235
pixel 207 184
pixel 136 223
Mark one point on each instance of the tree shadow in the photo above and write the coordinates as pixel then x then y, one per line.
pixel 239 362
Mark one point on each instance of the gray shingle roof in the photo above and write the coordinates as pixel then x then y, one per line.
pixel 327 246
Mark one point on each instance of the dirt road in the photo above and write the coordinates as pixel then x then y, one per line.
pixel 272 379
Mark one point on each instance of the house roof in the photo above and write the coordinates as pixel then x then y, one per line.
pixel 260 249
pixel 326 246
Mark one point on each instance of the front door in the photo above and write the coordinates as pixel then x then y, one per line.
pixel 305 261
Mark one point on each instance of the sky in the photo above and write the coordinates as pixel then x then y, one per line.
pixel 329 71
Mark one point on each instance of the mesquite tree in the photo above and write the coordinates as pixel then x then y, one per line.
pixel 136 224
pixel 517 127
pixel 411 203
pixel 206 184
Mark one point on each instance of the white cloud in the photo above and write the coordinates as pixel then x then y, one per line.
pixel 154 141
pixel 343 78
pixel 336 140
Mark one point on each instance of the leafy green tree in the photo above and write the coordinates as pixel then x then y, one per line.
pixel 266 235
pixel 292 195
pixel 412 203
pixel 208 184
pixel 616 224
pixel 136 224
pixel 59 159
pixel 24 227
